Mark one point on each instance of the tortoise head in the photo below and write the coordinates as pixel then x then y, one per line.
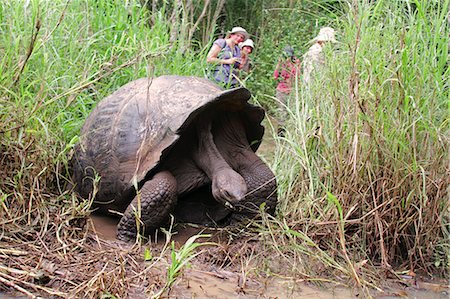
pixel 228 187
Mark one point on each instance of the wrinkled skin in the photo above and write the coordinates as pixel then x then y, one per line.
pixel 210 175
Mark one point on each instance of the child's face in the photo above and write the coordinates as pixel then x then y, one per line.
pixel 247 49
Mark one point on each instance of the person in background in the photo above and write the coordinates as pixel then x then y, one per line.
pixel 285 72
pixel 314 57
pixel 247 48
pixel 225 55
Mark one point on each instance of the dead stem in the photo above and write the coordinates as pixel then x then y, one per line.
pixel 18 288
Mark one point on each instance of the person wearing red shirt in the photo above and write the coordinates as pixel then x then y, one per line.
pixel 285 73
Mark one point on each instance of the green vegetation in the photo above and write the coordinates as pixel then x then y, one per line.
pixel 373 131
pixel 362 169
pixel 180 259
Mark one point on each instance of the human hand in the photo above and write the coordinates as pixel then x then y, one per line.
pixel 231 60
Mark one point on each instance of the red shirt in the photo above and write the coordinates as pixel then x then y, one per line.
pixel 285 72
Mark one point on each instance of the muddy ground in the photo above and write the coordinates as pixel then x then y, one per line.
pixel 211 280
pixel 91 263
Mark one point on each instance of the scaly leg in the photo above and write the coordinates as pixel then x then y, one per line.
pixel 158 198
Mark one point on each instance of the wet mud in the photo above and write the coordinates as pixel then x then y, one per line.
pixel 207 281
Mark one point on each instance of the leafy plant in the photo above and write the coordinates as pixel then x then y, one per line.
pixel 180 259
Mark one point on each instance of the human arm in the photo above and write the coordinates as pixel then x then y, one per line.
pixel 276 72
pixel 214 53
pixel 243 61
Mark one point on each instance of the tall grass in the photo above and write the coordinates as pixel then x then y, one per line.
pixel 59 59
pixel 371 131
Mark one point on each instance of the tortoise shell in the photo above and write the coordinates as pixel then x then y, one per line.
pixel 130 132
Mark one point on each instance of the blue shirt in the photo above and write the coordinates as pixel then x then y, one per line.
pixel 226 73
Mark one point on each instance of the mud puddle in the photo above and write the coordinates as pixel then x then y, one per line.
pixel 222 284
pixel 106 228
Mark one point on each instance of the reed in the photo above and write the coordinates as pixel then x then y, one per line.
pixel 371 134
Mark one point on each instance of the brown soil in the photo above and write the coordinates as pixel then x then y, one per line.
pixel 209 277
pixel 93 264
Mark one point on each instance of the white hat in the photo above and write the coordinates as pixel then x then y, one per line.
pixel 247 43
pixel 326 34
pixel 239 30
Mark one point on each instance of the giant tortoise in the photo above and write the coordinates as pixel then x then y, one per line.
pixel 173 145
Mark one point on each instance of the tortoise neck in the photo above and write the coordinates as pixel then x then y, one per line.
pixel 207 156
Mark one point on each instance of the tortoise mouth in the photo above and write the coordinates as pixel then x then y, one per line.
pixel 227 203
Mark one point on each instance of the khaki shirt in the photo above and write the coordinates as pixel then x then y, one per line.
pixel 311 60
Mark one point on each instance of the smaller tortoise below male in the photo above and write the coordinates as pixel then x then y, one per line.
pixel 187 145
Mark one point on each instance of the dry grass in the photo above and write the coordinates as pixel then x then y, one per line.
pixel 47 244
pixel 80 268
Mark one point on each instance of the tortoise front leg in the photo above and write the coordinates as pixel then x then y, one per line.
pixel 158 198
pixel 261 184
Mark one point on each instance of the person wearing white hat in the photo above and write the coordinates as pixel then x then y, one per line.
pixel 225 54
pixel 247 48
pixel 314 57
